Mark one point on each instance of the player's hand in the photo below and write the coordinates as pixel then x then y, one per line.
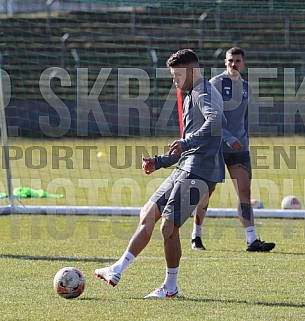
pixel 237 146
pixel 175 148
pixel 148 165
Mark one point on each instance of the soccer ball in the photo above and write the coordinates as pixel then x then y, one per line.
pixel 291 202
pixel 69 282
pixel 257 203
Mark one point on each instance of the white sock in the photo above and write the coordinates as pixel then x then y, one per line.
pixel 197 231
pixel 120 265
pixel 250 234
pixel 171 278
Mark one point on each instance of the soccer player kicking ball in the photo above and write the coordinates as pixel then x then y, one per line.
pixel 235 92
pixel 200 167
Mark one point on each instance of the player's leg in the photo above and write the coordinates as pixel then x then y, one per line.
pixel 242 183
pixel 196 239
pixel 172 245
pixel 199 215
pixel 172 251
pixel 149 215
pixel 185 196
pixel 241 177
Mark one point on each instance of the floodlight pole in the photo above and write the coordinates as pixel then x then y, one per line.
pixel 216 55
pixel 9 7
pixel 218 15
pixel 75 57
pixel 154 58
pixel 63 40
pixel 5 149
pixel 48 22
pixel 287 31
pixel 271 5
pixel 77 63
pixel 200 27
pixel 133 20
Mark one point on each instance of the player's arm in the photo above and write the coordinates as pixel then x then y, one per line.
pixel 151 164
pixel 231 140
pixel 148 165
pixel 166 160
pixel 247 111
pixel 212 111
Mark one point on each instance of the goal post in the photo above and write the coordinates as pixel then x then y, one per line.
pixel 4 140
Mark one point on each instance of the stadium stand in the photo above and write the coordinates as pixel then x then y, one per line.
pixel 124 36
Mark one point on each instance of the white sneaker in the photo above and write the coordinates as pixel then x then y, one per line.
pixel 108 275
pixel 162 293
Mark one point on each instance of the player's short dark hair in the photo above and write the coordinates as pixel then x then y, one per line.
pixel 182 57
pixel 236 51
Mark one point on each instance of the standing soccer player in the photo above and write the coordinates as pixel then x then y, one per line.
pixel 235 92
pixel 200 167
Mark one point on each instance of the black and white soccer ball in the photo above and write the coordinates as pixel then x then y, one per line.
pixel 69 282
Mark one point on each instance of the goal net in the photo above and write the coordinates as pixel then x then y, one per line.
pixel 85 95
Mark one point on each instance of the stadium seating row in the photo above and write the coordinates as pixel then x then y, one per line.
pixel 32 43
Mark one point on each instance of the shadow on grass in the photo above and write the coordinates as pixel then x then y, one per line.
pixel 56 258
pixel 259 303
pixel 273 252
pixel 203 300
pixel 90 299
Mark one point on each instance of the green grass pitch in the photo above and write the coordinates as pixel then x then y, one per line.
pixel 223 283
